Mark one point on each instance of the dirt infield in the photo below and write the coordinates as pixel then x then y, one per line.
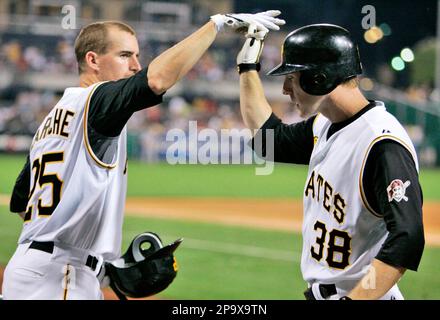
pixel 276 214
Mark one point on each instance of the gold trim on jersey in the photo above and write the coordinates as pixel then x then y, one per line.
pixel 66 282
pixel 314 121
pixel 380 138
pixel 86 138
pixel 315 137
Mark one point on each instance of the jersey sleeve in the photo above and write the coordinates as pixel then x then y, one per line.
pixel 292 143
pixel 20 193
pixel 392 189
pixel 114 102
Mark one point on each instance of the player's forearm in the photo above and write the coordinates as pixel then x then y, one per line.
pixel 255 109
pixel 377 282
pixel 173 64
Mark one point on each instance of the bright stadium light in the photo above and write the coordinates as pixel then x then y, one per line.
pixel 373 34
pixel 407 55
pixel 398 64
pixel 369 37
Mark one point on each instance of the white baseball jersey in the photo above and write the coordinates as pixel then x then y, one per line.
pixel 341 232
pixel 76 199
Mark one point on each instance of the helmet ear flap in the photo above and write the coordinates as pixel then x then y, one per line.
pixel 319 79
pixel 136 253
pixel 317 83
pixel 152 238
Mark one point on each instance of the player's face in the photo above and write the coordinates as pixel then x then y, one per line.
pixel 122 58
pixel 306 104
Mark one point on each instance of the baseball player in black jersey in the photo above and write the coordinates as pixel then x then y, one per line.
pixel 71 191
pixel 362 226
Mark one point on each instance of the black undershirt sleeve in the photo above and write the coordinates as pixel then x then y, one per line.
pixel 114 102
pixel 388 161
pixel 20 193
pixel 292 143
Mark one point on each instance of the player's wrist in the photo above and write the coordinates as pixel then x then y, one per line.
pixel 245 67
pixel 249 56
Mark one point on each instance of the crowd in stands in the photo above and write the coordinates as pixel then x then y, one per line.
pixel 22 108
pixel 22 57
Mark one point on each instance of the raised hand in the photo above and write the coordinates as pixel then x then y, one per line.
pixel 239 22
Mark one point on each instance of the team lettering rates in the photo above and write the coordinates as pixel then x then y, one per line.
pixel 321 190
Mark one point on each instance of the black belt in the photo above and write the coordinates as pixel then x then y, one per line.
pixel 326 290
pixel 48 247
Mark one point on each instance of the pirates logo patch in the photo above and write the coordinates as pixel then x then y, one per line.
pixel 396 190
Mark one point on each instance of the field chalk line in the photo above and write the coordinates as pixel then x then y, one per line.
pixel 240 249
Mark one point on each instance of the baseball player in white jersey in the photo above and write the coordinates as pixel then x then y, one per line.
pixel 362 225
pixel 71 191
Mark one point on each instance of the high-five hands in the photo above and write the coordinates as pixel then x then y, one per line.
pixel 239 22
pixel 249 56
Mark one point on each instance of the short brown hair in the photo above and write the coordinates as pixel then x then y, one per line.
pixel 94 37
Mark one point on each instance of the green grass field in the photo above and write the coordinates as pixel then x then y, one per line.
pixel 223 262
pixel 218 262
pixel 214 180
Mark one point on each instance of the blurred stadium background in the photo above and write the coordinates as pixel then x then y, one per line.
pixel 37 62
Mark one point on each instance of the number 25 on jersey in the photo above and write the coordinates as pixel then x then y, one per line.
pixel 43 178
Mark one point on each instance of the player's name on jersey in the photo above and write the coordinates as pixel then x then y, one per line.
pixel 55 124
pixel 321 190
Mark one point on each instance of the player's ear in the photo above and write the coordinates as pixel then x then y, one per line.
pixel 91 60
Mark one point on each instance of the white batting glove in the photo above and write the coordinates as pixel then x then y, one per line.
pixel 249 56
pixel 240 21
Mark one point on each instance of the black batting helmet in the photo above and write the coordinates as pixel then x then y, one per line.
pixel 143 272
pixel 324 54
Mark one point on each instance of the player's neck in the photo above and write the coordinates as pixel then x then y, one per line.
pixel 87 79
pixel 343 103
